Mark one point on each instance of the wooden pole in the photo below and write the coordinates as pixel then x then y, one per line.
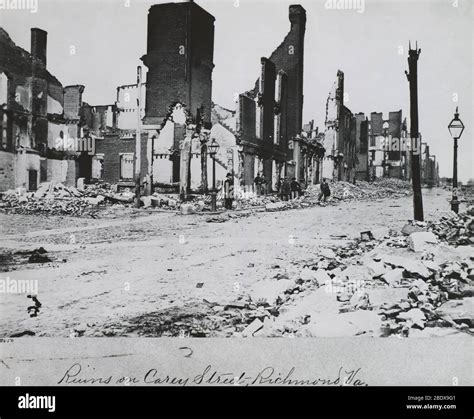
pixel 412 77
pixel 151 186
pixel 138 138
pixel 204 140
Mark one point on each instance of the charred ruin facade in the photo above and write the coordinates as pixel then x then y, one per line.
pixel 270 115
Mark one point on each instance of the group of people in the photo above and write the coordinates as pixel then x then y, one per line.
pixel 287 189
pixel 260 183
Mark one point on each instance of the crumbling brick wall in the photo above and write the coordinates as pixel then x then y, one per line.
pixel 258 108
pixel 179 59
pixel 268 101
pixel 289 57
pixel 376 123
pixel 247 118
pixel 111 146
pixel 362 138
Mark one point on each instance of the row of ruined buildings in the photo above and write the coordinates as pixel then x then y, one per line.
pixel 363 148
pixel 50 134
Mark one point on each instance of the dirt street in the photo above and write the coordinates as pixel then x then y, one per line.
pixel 112 271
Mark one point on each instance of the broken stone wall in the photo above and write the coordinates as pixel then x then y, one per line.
pixel 71 173
pixel 376 123
pixel 57 171
pixel 55 99
pixel 54 131
pixel 26 161
pixel 7 171
pixel 73 101
pixel 127 106
pixel 395 130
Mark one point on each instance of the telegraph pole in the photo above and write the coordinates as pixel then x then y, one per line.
pixel 138 138
pixel 412 77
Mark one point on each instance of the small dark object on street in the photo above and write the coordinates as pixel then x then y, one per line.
pixel 37 257
pixel 366 236
pixel 21 334
pixel 33 310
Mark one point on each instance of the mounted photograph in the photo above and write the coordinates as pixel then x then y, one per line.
pixel 237 171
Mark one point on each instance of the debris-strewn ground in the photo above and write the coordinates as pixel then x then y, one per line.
pixel 300 272
pixel 102 200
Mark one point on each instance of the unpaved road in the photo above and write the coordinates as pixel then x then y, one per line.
pixel 105 270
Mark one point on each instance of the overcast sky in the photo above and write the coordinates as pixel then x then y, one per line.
pixel 109 38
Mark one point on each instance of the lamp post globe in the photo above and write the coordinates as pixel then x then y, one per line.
pixel 456 127
pixel 213 148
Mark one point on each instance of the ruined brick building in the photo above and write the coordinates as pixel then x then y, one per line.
pixel 263 134
pixel 35 111
pixel 179 58
pixel 46 128
pixel 312 151
pixel 429 167
pixel 359 148
pixel 269 117
pixel 362 146
pixel 387 153
pixel 176 100
pixel 340 136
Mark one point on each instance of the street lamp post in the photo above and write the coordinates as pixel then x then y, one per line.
pixel 213 148
pixel 456 127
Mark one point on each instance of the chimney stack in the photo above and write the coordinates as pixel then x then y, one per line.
pixel 38 44
pixel 297 15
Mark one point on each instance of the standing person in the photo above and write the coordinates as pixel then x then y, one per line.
pixel 295 188
pixel 228 191
pixel 285 189
pixel 280 187
pixel 264 184
pixel 258 182
pixel 325 191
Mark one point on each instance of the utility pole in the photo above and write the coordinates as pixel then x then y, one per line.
pixel 412 77
pixel 138 138
pixel 204 139
pixel 151 188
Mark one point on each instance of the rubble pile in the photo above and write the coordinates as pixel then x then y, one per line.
pixel 455 229
pixel 440 296
pixel 360 288
pixel 58 199
pixel 355 290
pixel 381 188
pixel 165 201
pixel 48 199
pixel 362 190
